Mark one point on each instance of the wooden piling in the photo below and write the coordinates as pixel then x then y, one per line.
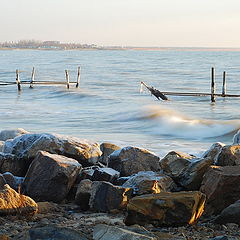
pixel 213 85
pixel 224 87
pixel 67 78
pixel 78 77
pixel 18 80
pixel 32 78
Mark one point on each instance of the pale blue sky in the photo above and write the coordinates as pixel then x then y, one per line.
pixel 196 23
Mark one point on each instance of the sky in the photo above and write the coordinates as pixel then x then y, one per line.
pixel 159 23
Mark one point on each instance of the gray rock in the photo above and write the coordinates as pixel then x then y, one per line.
pixel 149 182
pixel 83 194
pixel 11 134
pixel 107 149
pixel 105 174
pixel 50 177
pixel 2 181
pixel 131 160
pixel 105 197
pixel 106 232
pixel 27 146
pixel 13 181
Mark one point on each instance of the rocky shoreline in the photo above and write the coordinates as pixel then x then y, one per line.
pixel 61 187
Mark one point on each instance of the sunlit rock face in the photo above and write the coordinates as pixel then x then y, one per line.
pixel 13 203
pixel 131 160
pixel 221 186
pixel 27 146
pixel 50 177
pixel 165 208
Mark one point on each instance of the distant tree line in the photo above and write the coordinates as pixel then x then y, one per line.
pixel 33 44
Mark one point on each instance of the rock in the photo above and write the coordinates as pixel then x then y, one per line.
pixel 105 174
pixel 10 163
pixel 231 214
pixel 27 146
pixel 2 181
pixel 54 233
pixel 86 173
pixel 11 134
pixel 174 163
pixel 47 207
pixel 131 160
pixel 83 194
pixel 107 149
pixel 165 208
pixel 229 156
pixel 12 203
pixel 236 138
pixel 214 151
pixel 120 181
pixel 50 177
pixel 149 182
pixel 1 145
pixel 106 232
pixel 191 178
pixel 105 197
pixel 13 181
pixel 220 238
pixel 221 186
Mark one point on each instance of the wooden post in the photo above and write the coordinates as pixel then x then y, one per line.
pixel 78 77
pixel 32 78
pixel 224 88
pixel 18 80
pixel 67 78
pixel 213 85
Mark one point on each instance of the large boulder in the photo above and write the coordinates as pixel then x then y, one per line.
pixel 131 160
pixel 165 208
pixel 13 203
pixel 105 197
pixel 229 156
pixel 10 134
pixel 221 186
pixel 149 182
pixel 107 149
pixel 27 146
pixel 106 232
pixel 50 177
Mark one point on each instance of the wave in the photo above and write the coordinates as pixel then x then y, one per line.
pixel 173 123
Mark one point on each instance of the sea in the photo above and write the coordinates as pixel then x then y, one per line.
pixel 109 107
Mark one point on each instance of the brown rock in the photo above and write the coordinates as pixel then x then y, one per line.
pixel 50 177
pixel 165 209
pixel 214 151
pixel 221 186
pixel 12 203
pixel 131 160
pixel 229 156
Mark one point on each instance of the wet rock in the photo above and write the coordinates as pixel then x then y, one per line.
pixel 10 163
pixel 83 194
pixel 50 177
pixel 105 197
pixel 120 181
pixel 214 151
pixel 12 203
pixel 105 174
pixel 229 156
pixel 54 233
pixel 107 149
pixel 11 134
pixel 221 186
pixel 149 182
pixel 231 214
pixel 106 232
pixel 174 163
pixel 13 181
pixel 236 138
pixel 131 160
pixel 27 146
pixel 165 208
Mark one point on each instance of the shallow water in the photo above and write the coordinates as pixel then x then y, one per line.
pixel 108 105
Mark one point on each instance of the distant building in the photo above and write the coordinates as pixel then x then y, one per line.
pixel 51 43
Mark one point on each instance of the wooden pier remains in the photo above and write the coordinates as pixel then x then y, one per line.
pixel 163 94
pixel 32 82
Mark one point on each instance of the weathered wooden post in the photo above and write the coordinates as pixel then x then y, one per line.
pixel 224 87
pixel 18 80
pixel 32 78
pixel 67 78
pixel 78 77
pixel 213 85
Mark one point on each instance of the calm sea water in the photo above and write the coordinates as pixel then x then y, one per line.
pixel 108 106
